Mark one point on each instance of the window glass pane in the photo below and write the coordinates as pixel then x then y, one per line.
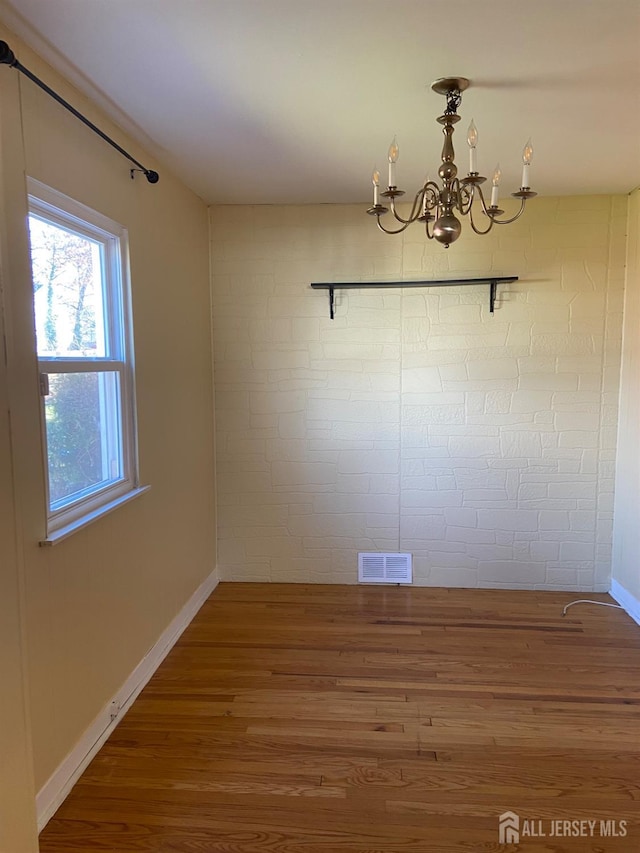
pixel 68 293
pixel 84 441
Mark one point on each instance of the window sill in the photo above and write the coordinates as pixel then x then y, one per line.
pixel 63 532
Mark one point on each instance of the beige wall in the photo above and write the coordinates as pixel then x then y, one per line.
pixel 626 552
pixel 416 420
pixel 17 792
pixel 98 601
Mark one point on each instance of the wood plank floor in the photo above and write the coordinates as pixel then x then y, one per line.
pixel 326 719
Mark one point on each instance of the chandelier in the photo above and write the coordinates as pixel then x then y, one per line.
pixel 435 204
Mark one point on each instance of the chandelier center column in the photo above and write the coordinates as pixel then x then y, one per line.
pixel 448 169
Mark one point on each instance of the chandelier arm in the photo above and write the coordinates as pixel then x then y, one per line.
pixel 493 218
pixel 461 191
pixel 426 229
pixel 389 231
pixel 474 226
pixel 433 198
pixel 455 192
pixel 523 201
pixel 485 209
pixel 464 210
pixel 414 209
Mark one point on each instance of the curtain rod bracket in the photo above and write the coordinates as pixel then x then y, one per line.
pixel 8 57
pixel 150 175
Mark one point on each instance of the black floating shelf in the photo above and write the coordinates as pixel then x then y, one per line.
pixel 492 281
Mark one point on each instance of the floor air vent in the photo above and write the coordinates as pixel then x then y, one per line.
pixel 384 568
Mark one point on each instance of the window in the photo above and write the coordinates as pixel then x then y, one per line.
pixel 85 356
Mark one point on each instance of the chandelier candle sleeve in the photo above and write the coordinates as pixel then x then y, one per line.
pixel 375 180
pixel 495 188
pixel 393 159
pixel 527 154
pixel 472 140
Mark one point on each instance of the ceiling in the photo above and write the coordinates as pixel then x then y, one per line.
pixel 294 101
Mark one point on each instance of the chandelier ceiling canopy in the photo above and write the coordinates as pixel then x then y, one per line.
pixel 436 204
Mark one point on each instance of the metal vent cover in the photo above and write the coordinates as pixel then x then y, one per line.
pixel 378 567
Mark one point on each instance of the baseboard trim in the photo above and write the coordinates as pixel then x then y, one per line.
pixel 56 789
pixel 624 598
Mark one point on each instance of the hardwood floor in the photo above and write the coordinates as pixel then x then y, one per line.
pixel 324 719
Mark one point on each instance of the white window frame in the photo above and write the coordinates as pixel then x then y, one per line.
pixel 55 207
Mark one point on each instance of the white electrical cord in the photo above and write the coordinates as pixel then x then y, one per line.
pixel 590 601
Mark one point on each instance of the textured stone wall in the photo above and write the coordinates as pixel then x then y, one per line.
pixel 416 420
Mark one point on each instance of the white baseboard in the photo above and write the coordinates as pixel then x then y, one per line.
pixel 55 790
pixel 626 600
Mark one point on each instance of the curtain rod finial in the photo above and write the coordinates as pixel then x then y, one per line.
pixel 7 56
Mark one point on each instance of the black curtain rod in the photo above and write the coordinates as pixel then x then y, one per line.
pixel 7 57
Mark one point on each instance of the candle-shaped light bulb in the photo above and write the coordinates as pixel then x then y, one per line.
pixel 393 159
pixel 527 154
pixel 472 135
pixel 495 191
pixel 375 180
pixel 472 140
